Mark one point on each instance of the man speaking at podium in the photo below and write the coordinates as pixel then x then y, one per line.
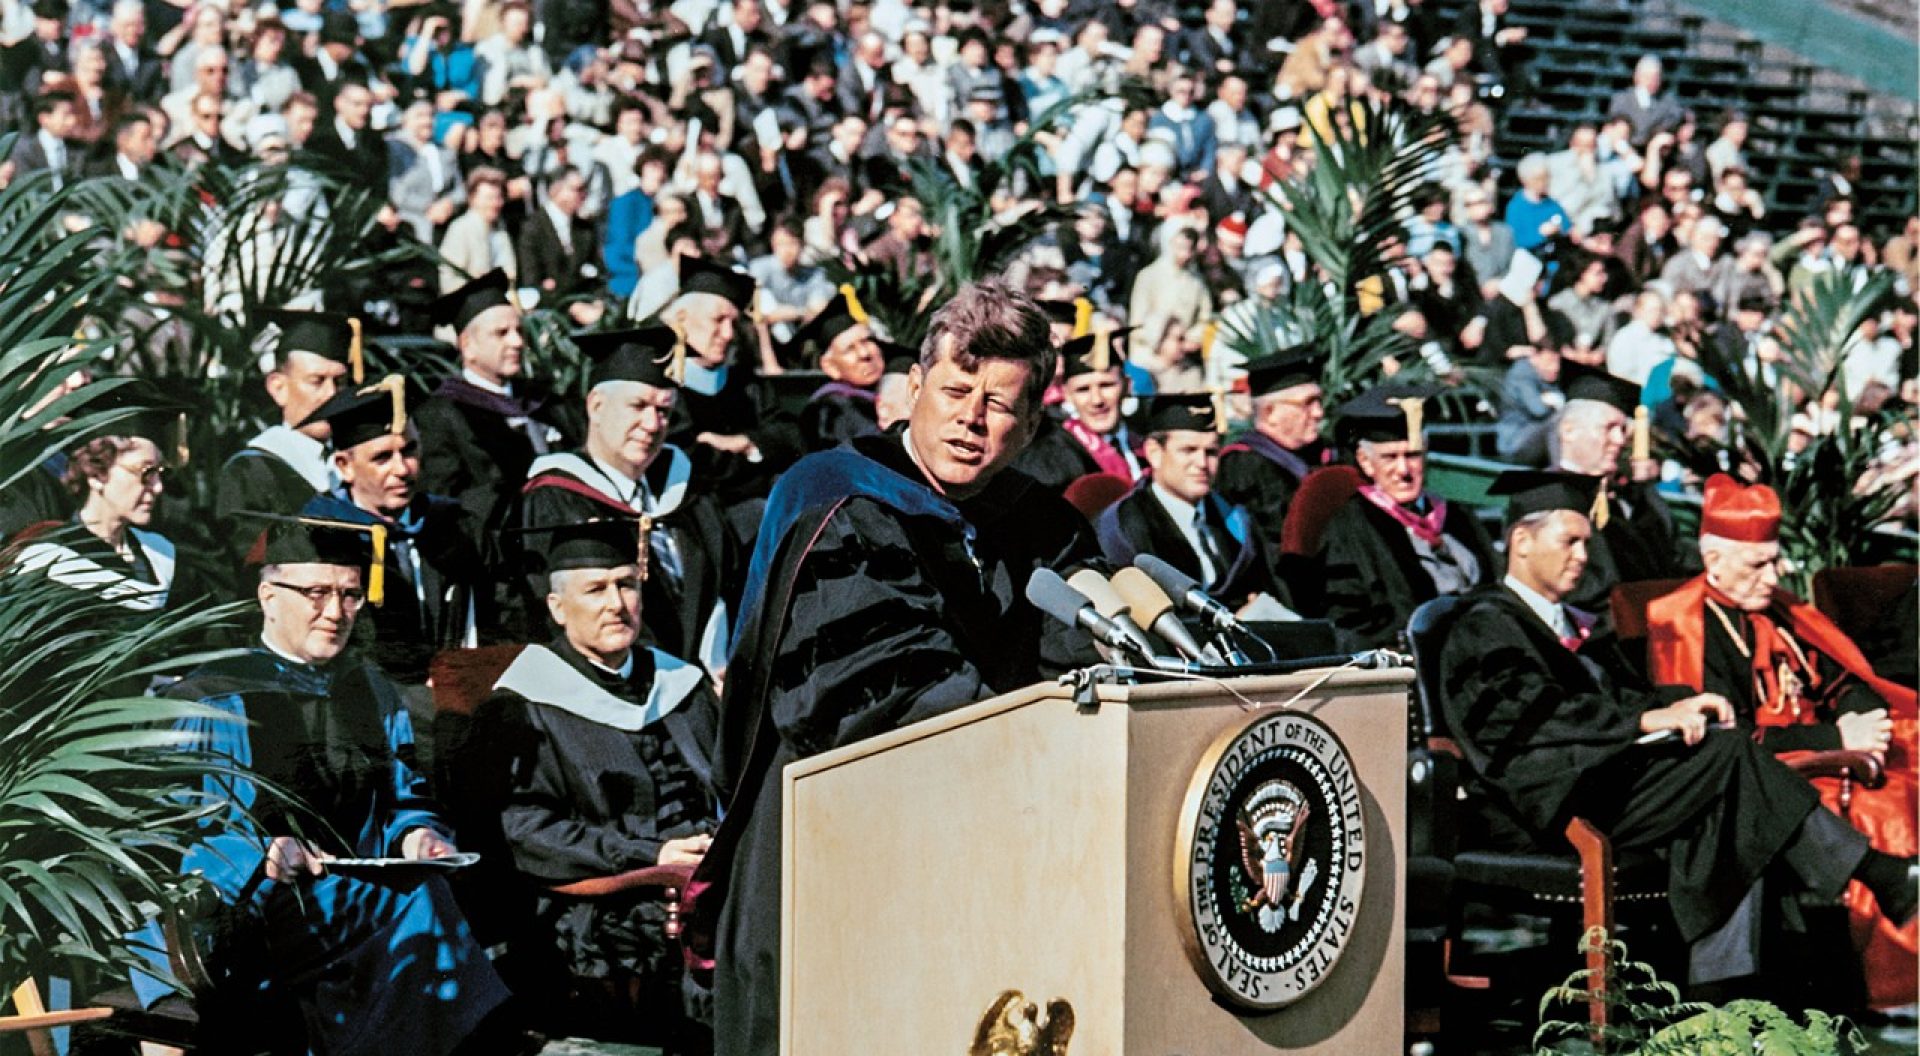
pixel 887 587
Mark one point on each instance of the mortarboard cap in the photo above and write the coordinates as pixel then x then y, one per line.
pixel 1197 412
pixel 357 415
pixel 1284 370
pixel 459 308
pixel 1385 414
pixel 153 410
pixel 609 541
pixel 326 531
pixel 1581 382
pixel 324 334
pixel 841 314
pixel 698 275
pixel 1530 491
pixel 1093 353
pixel 650 355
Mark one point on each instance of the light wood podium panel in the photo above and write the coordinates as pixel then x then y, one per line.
pixel 1027 844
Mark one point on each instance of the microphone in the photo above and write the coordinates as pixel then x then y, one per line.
pixel 1109 604
pixel 1151 607
pixel 1050 594
pixel 1188 594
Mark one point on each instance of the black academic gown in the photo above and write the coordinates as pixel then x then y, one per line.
pixel 868 609
pixel 1637 544
pixel 1550 733
pixel 685 612
pixel 260 481
pixel 837 413
pixel 1260 476
pixel 438 607
pixel 475 447
pixel 1054 459
pixel 744 406
pixel 1139 524
pixel 1374 580
pixel 598 771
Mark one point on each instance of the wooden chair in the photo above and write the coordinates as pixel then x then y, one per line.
pixel 32 1018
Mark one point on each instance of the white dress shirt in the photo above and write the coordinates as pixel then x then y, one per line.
pixel 1186 516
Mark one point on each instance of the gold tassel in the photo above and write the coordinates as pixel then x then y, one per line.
pixel 180 452
pixel 854 307
pixel 1082 317
pixel 1642 434
pixel 1102 356
pixel 395 386
pixel 1207 334
pixel 377 571
pixel 1599 511
pixel 677 361
pixel 1219 410
pixel 1415 409
pixel 356 357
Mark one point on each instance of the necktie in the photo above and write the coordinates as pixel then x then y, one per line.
pixel 1209 549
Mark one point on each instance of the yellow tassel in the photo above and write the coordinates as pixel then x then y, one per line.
pixel 180 452
pixel 1598 513
pixel 1642 435
pixel 677 363
pixel 1082 316
pixel 854 307
pixel 1207 334
pixel 1102 356
pixel 377 571
pixel 1415 409
pixel 395 386
pixel 356 358
pixel 1219 410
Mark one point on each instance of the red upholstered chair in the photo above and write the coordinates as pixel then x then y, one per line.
pixel 1627 605
pixel 1320 496
pixel 1093 493
pixel 1858 600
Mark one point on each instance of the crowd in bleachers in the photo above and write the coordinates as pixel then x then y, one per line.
pixel 710 199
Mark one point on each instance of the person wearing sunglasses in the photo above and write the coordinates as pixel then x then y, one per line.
pixel 110 547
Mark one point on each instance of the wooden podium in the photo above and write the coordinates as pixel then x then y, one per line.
pixel 1028 843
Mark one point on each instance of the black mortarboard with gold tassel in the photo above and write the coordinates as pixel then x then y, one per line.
pixel 326 531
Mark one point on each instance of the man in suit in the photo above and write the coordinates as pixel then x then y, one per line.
pixel 201 142
pixel 25 64
pixel 1496 42
pixel 861 86
pixel 1175 515
pixel 722 224
pixel 1224 193
pixel 1093 436
pixel 348 142
pixel 559 254
pixel 134 146
pixel 1212 48
pixel 335 64
pixel 131 66
pixel 1393 546
pixel 210 69
pixel 425 186
pixel 732 42
pixel 46 150
pixel 1642 104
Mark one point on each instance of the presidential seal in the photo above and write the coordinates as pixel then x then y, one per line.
pixel 1272 849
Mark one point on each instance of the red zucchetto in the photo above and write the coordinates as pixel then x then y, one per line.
pixel 1742 513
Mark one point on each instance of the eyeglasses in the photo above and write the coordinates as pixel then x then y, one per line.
pixel 350 600
pixel 150 476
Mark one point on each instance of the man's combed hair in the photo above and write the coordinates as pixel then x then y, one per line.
pixel 991 320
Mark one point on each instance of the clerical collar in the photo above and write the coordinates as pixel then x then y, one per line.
pixel 478 382
pixel 1551 613
pixel 707 381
